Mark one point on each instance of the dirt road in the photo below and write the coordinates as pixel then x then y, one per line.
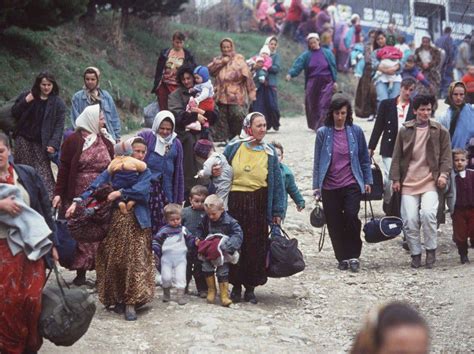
pixel 318 310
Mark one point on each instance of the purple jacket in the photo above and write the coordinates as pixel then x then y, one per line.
pixel 178 176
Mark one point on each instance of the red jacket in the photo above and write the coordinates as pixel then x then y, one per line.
pixel 295 11
pixel 71 151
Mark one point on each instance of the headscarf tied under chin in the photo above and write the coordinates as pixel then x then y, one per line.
pixel 88 120
pixel 268 40
pixel 246 135
pixel 229 40
pixel 163 145
pixel 92 95
pixel 456 109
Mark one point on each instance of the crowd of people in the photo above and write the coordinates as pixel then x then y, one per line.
pixel 179 207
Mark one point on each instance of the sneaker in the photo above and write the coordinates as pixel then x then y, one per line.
pixel 354 265
pixel 416 261
pixel 343 265
pixel 464 259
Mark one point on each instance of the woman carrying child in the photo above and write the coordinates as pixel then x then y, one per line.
pixel 255 200
pixel 164 158
pixel 124 264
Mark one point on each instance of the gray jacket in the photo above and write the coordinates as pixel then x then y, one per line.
pixel 28 231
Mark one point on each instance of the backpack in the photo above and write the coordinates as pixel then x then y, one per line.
pixel 65 314
pixel 283 256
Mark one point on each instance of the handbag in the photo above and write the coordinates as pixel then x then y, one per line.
pixel 317 219
pixel 66 313
pixel 384 229
pixel 283 257
pixel 91 219
pixel 64 243
pixel 376 192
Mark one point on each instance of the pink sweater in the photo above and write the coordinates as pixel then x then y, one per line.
pixel 419 178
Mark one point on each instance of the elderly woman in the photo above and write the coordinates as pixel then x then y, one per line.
pixel 341 174
pixel 255 200
pixel 459 118
pixel 320 74
pixel 267 100
pixel 22 278
pixel 40 117
pixel 84 155
pixel 177 103
pixel 164 158
pixel 387 82
pixel 428 59
pixel 235 90
pixel 125 271
pixel 169 62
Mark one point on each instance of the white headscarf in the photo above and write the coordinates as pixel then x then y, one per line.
pixel 88 120
pixel 265 50
pixel 247 138
pixel 268 40
pixel 163 144
pixel 312 35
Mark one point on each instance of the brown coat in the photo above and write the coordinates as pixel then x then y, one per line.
pixel 438 151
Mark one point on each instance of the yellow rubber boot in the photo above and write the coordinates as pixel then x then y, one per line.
pixel 211 289
pixel 224 292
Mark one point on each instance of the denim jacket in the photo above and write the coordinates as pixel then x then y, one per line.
pixel 112 120
pixel 360 160
pixel 140 193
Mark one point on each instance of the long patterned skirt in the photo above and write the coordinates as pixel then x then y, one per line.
pixel 124 263
pixel 250 210
pixel 157 202
pixel 21 284
pixel 35 155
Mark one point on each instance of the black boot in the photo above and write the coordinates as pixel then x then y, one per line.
pixel 236 294
pixel 249 295
pixel 462 250
pixel 80 278
pixel 430 258
pixel 416 261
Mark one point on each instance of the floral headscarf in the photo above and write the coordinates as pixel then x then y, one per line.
pixel 92 95
pixel 246 134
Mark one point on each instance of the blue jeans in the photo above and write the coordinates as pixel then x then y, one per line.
pixel 384 91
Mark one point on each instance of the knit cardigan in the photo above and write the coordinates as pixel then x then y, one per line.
pixel 276 189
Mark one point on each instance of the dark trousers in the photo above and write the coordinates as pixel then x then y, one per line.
pixel 194 269
pixel 463 228
pixel 341 208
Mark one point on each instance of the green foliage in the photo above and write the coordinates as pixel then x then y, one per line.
pixel 144 8
pixel 39 14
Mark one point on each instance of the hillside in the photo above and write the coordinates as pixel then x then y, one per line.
pixel 128 74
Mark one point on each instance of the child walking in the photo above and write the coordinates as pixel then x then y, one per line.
pixel 221 238
pixel 192 217
pixel 204 150
pixel 463 212
pixel 171 245
pixel 289 182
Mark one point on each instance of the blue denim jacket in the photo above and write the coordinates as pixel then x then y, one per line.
pixel 360 160
pixel 112 120
pixel 140 193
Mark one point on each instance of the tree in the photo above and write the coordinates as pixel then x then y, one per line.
pixel 39 14
pixel 140 8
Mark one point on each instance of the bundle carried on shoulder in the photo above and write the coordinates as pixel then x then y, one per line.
pixel 283 257
pixel 91 218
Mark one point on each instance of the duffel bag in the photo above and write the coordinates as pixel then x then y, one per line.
pixel 65 314
pixel 383 229
pixel 283 257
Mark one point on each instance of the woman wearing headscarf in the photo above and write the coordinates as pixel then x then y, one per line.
pixel 428 59
pixel 22 272
pixel 255 200
pixel 169 62
pixel 164 158
pixel 267 94
pixel 84 155
pixel 234 88
pixel 177 103
pixel 365 105
pixel 459 118
pixel 40 117
pixel 124 264
pixel 319 65
pixel 92 94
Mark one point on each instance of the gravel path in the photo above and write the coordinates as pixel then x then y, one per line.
pixel 318 310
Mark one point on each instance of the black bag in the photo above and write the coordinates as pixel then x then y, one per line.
pixel 378 230
pixel 283 256
pixel 317 217
pixel 376 192
pixel 65 244
pixel 65 314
